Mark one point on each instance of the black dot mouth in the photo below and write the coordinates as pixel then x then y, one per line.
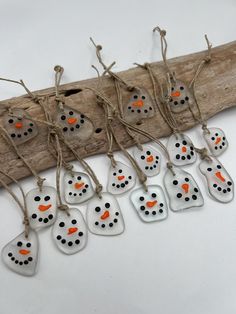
pixel 20 262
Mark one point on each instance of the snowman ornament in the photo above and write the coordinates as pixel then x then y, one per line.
pixel 180 97
pixel 148 159
pixel 21 254
pixel 216 141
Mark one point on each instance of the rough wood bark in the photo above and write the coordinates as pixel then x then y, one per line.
pixel 215 89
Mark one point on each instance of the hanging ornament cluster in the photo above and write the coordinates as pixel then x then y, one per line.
pixel 44 206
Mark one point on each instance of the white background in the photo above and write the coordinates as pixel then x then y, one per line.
pixel 184 265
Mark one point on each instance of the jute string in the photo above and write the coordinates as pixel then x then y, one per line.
pixel 23 205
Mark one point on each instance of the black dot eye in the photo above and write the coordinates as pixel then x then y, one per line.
pixel 141 198
pixel 97 209
pixel 62 224
pixel 63 117
pixel 186 179
pixel 148 152
pixel 172 88
pixel 78 178
pixel 213 138
pixel 70 182
pixel 71 113
pixel 120 171
pixel 47 198
pixel 107 205
pixel 184 143
pixel 216 134
pixel 143 97
pixel 10 121
pixel 135 96
pixel 143 157
pixel 154 195
pixel 19 243
pixel 177 145
pixel 37 198
pixel 218 166
pixel 114 174
pixel 28 244
pixel 181 88
pixel 175 182
pixel 73 221
pixel 209 169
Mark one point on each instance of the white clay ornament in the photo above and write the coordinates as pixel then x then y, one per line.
pixel 181 97
pixel 42 207
pixel 148 159
pixel 151 205
pixel 121 178
pixel 77 187
pixel 21 254
pixel 220 184
pixel 104 216
pixel 74 123
pixel 20 126
pixel 181 149
pixel 182 190
pixel 216 141
pixel 69 231
pixel 140 106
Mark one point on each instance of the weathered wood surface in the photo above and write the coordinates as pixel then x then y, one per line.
pixel 215 89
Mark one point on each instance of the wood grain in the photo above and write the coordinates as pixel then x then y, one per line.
pixel 215 89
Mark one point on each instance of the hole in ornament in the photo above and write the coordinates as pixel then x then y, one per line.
pixel 72 92
pixel 98 130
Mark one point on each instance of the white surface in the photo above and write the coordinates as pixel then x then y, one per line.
pixel 185 264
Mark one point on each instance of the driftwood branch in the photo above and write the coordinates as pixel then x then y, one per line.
pixel 215 89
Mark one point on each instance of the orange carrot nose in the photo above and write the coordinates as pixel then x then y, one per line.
pixel 72 230
pixel 105 215
pixel 120 178
pixel 24 252
pixel 138 103
pixel 219 176
pixel 71 120
pixel 185 187
pixel 175 94
pixel 218 139
pixel 151 204
pixel 43 208
pixel 184 149
pixel 150 158
pixel 19 125
pixel 79 185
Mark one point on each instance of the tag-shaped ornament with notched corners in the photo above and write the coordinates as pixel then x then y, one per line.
pixel 181 149
pixel 148 159
pixel 21 254
pixel 77 187
pixel 104 216
pixel 69 231
pixel 219 182
pixel 151 205
pixel 139 107
pixel 216 141
pixel 180 98
pixel 121 178
pixel 42 207
pixel 74 123
pixel 182 190
pixel 19 126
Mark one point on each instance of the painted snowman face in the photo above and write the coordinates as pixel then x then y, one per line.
pixel 74 124
pixel 181 149
pixel 182 190
pixel 148 159
pixel 78 188
pixel 70 232
pixel 20 126
pixel 121 179
pixel 216 141
pixel 41 207
pixel 104 216
pixel 151 206
pixel 220 184
pixel 140 106
pixel 181 97
pixel 21 254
